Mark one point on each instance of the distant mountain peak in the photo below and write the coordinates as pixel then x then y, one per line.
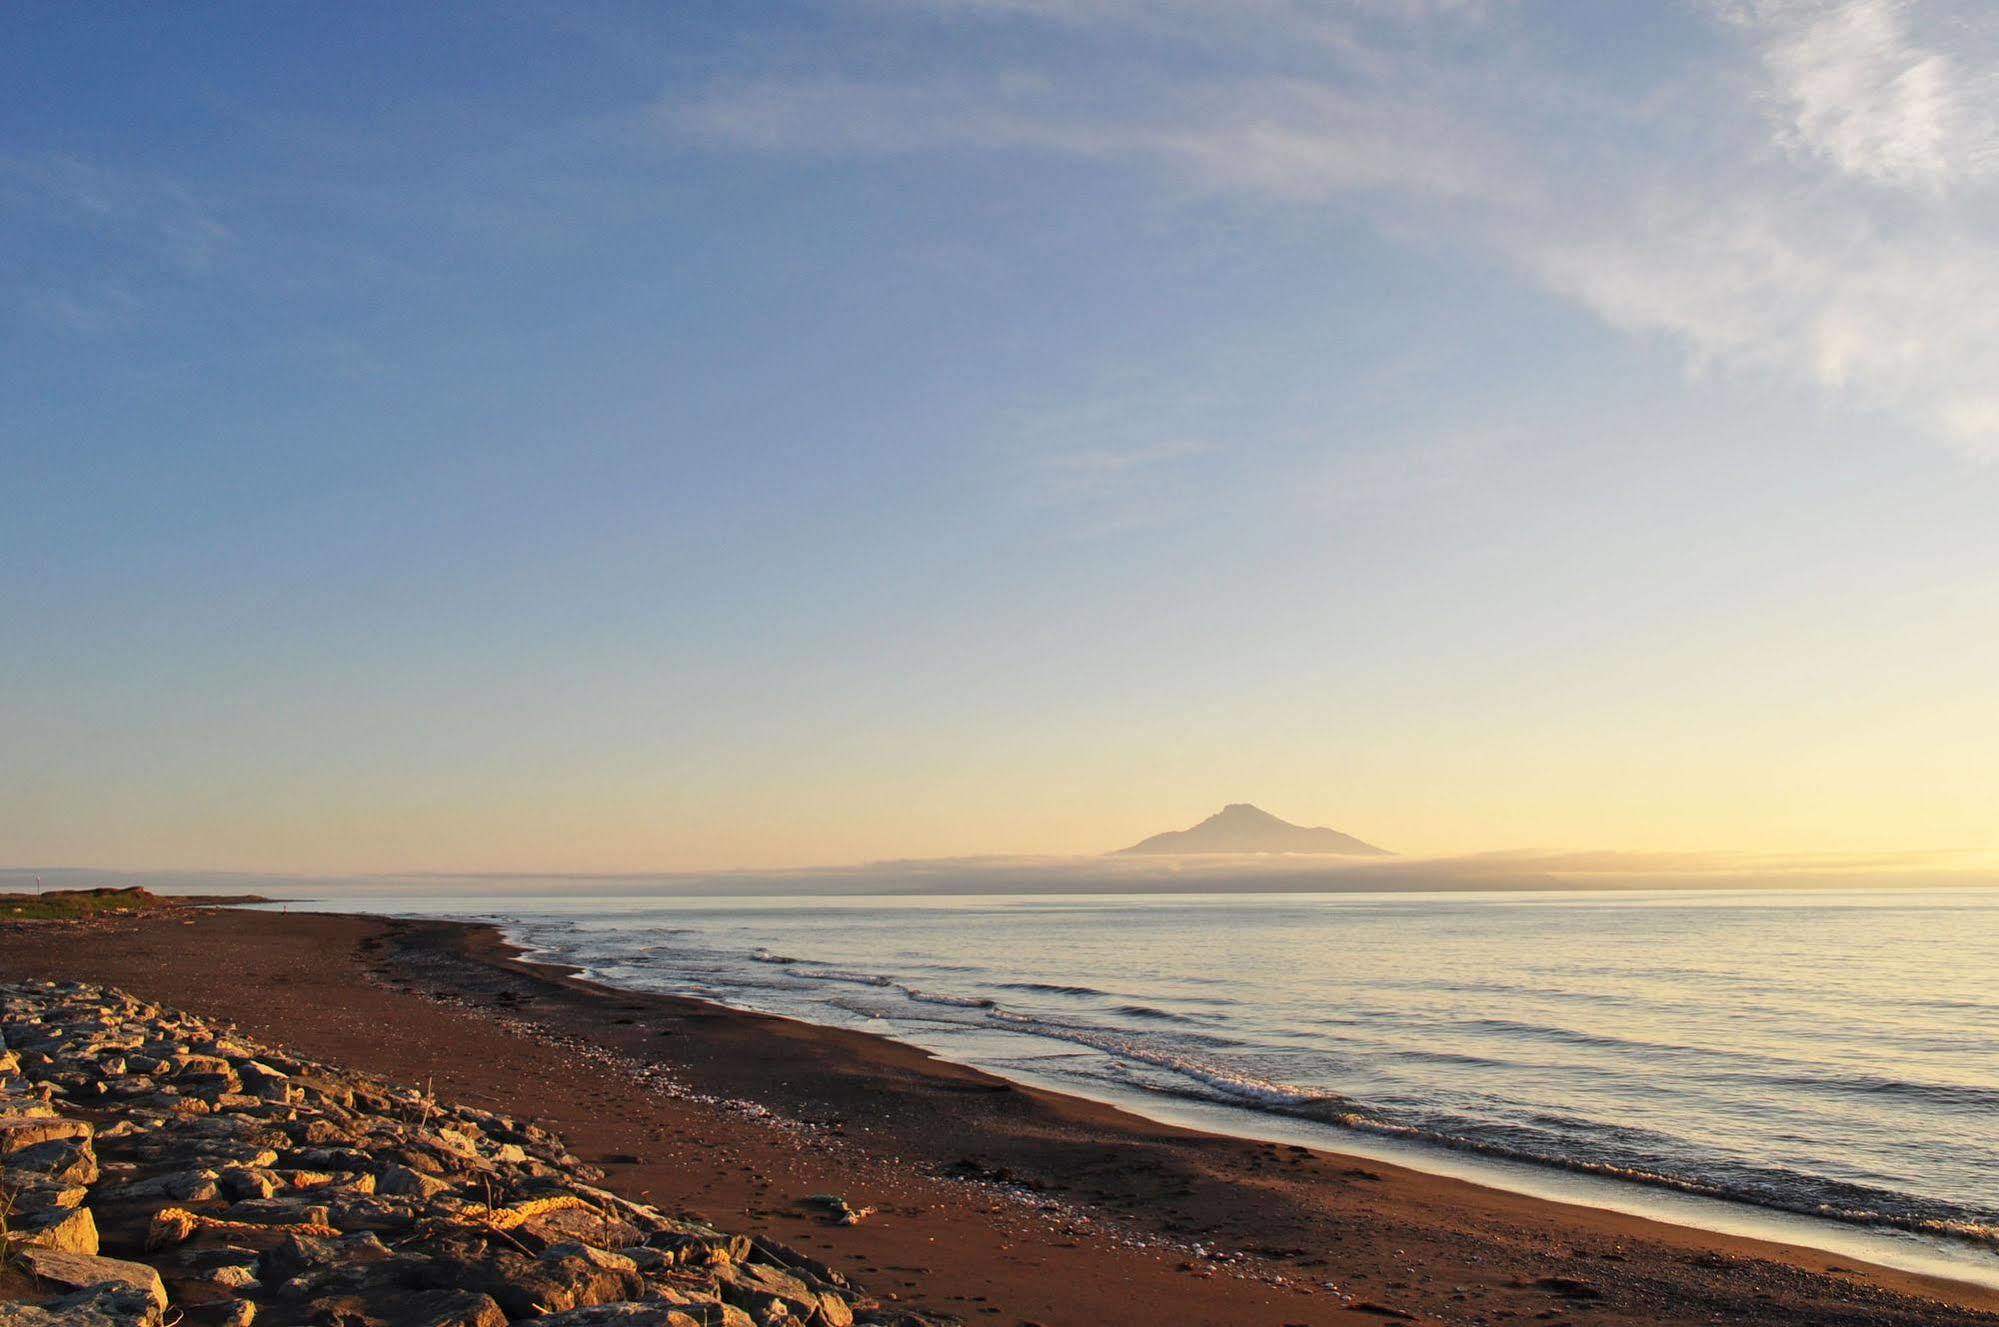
pixel 1240 827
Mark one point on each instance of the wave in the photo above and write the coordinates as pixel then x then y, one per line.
pixel 881 981
pixel 940 997
pixel 1782 1073
pixel 1053 988
pixel 842 974
pixel 1952 1096
pixel 1233 1083
pixel 1574 1037
pixel 1558 1141
pixel 1774 1189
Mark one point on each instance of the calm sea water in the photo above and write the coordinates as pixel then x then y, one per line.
pixel 1828 1053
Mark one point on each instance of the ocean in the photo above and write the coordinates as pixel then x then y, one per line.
pixel 1832 1055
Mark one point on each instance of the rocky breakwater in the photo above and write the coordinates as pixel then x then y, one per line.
pixel 157 1169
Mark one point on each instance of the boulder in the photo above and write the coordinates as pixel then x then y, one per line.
pixel 402 1180
pixel 770 1294
pixel 243 1182
pixel 99 1306
pixel 78 1271
pixel 626 1313
pixel 59 1161
pixel 188 1186
pixel 565 1276
pixel 18 1133
pixel 64 1229
pixel 451 1308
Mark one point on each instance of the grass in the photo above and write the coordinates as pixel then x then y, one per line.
pixel 62 904
pixel 10 1260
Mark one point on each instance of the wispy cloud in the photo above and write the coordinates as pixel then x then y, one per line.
pixel 1808 198
pixel 84 312
pixel 147 212
pixel 1104 490
pixel 1279 136
pixel 1857 88
pixel 1096 461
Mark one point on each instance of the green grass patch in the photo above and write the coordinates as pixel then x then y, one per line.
pixel 61 904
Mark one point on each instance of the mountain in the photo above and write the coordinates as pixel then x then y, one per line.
pixel 1240 827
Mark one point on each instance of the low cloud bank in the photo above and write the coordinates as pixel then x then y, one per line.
pixel 1510 871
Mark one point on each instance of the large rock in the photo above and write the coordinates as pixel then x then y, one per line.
pixel 19 1132
pixel 565 1276
pixel 59 1161
pixel 64 1229
pixel 451 1308
pixel 629 1313
pixel 401 1180
pixel 99 1306
pixel 78 1271
pixel 770 1293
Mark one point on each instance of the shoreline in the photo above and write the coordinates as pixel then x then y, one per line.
pixel 1662 1200
pixel 1916 1250
pixel 1035 1205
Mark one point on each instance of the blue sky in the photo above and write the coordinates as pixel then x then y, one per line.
pixel 615 438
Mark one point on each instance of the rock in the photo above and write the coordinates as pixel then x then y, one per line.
pixel 262 1080
pixel 697 1246
pixel 304 1253
pixel 594 1227
pixel 769 1293
pixel 18 1133
pixel 414 1183
pixel 241 1182
pixel 199 1066
pixel 60 1161
pixel 647 1259
pixel 304 1143
pixel 77 1271
pixel 451 1308
pixel 315 1088
pixel 189 1186
pixel 571 1275
pixel 99 1306
pixel 802 1265
pixel 597 1258
pixel 626 1313
pixel 279 1212
pixel 64 1229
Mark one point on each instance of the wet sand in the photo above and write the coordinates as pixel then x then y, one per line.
pixel 997 1202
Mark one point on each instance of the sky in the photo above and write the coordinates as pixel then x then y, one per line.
pixel 590 437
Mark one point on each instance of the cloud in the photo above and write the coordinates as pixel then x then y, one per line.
pixel 154 215
pixel 87 312
pixel 1277 136
pixel 1859 91
pixel 1114 488
pixel 1804 199
pixel 1899 317
pixel 1518 870
pixel 1105 461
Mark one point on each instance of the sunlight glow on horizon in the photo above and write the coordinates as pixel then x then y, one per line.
pixel 947 428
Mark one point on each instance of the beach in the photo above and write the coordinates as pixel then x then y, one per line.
pixel 995 1201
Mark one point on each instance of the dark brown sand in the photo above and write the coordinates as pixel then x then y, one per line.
pixel 998 1203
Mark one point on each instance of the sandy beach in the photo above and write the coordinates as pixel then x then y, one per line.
pixel 996 1202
